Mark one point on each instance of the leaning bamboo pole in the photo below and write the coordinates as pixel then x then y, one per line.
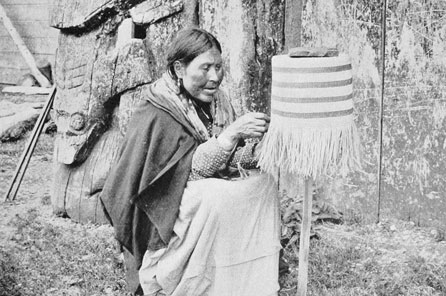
pixel 29 59
pixel 29 149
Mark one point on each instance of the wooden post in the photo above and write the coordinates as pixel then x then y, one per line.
pixel 304 246
pixel 29 59
pixel 293 32
pixel 293 23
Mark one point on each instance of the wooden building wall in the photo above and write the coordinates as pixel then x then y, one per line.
pixel 31 19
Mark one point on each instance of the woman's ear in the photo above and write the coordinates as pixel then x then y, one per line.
pixel 179 69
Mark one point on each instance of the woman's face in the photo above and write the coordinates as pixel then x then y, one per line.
pixel 203 75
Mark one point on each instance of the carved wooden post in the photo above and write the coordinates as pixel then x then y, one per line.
pixel 96 72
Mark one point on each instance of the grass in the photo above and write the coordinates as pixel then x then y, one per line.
pixel 58 257
pixel 41 254
pixel 367 260
pixel 50 257
pixel 14 149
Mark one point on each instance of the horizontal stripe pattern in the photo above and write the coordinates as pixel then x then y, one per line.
pixel 324 84
pixel 312 89
pixel 312 129
pixel 312 99
pixel 312 123
pixel 311 107
pixel 305 77
pixel 313 115
pixel 311 92
pixel 315 70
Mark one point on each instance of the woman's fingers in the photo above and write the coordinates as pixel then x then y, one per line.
pixel 250 125
pixel 256 118
pixel 259 116
pixel 254 124
pixel 254 131
pixel 262 122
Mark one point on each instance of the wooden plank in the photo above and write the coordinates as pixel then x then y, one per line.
pixel 31 29
pixel 29 90
pixel 31 19
pixel 36 45
pixel 14 60
pixel 27 2
pixel 151 12
pixel 79 13
pixel 11 76
pixel 23 49
pixel 24 12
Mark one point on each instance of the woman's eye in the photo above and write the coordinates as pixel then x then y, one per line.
pixel 206 68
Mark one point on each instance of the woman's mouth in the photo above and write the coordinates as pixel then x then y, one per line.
pixel 210 89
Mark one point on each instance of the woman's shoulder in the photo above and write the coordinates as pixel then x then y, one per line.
pixel 147 112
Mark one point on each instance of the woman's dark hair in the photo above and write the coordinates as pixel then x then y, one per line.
pixel 187 45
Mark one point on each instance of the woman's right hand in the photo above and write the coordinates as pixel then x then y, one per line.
pixel 250 125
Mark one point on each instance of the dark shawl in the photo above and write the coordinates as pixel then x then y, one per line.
pixel 143 192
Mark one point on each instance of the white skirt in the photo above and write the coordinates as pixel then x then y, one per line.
pixel 226 242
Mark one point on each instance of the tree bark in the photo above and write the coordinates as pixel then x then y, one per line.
pixel 293 23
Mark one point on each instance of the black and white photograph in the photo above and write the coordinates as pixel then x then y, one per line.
pixel 222 148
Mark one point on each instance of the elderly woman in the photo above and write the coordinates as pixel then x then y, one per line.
pixel 182 198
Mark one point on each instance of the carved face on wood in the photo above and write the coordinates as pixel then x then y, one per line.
pixel 91 72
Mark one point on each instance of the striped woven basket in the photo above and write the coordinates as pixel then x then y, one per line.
pixel 312 131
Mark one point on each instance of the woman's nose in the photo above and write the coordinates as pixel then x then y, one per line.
pixel 214 75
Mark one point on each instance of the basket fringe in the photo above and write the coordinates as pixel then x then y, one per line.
pixel 310 152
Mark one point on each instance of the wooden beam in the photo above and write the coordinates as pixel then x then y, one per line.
pixel 27 90
pixel 293 23
pixel 40 45
pixel 29 59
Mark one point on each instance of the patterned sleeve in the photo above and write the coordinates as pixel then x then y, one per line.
pixel 209 158
pixel 244 156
